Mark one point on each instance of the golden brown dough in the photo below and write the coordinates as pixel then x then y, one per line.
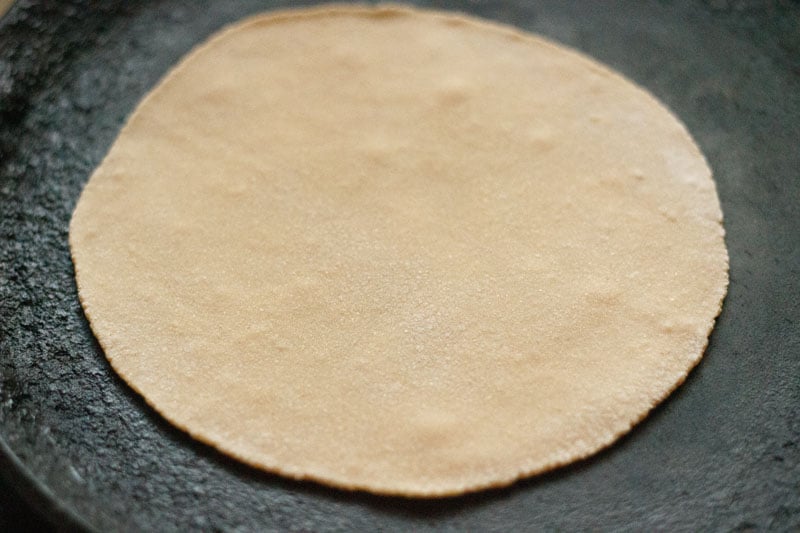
pixel 401 251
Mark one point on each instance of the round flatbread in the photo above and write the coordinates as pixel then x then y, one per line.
pixel 401 251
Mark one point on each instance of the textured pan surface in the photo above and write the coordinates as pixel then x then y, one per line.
pixel 721 453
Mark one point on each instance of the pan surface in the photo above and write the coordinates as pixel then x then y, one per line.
pixel 723 452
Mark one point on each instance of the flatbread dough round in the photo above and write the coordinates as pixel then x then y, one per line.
pixel 402 251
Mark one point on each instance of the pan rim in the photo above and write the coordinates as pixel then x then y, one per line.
pixel 37 493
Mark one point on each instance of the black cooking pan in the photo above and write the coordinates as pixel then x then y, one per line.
pixel 722 453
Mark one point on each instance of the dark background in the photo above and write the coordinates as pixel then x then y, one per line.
pixel 16 514
pixel 753 365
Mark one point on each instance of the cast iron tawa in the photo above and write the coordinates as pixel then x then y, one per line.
pixel 723 452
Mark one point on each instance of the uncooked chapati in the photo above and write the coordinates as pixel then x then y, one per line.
pixel 399 250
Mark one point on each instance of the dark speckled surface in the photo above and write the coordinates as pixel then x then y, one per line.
pixel 722 453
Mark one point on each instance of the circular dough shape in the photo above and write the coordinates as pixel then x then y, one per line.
pixel 401 251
